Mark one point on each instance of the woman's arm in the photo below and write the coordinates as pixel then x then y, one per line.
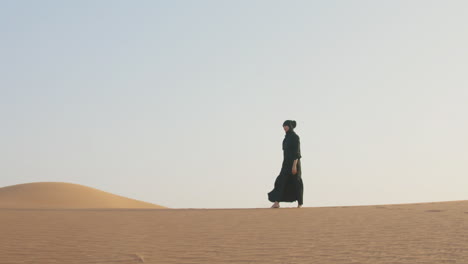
pixel 296 153
pixel 294 167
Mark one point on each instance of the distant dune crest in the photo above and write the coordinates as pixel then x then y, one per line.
pixel 60 195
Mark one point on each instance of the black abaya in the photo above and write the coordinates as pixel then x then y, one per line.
pixel 289 187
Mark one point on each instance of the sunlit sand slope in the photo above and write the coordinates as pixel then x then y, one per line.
pixel 63 195
pixel 432 233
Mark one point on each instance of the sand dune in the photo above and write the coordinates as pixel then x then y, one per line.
pixel 432 233
pixel 42 195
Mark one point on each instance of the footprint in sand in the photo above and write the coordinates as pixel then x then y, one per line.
pixel 137 258
pixel 434 211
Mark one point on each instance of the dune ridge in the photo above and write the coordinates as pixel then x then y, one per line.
pixel 62 195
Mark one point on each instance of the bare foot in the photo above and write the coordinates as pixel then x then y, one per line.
pixel 275 205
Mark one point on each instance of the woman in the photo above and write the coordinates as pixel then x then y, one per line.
pixel 288 185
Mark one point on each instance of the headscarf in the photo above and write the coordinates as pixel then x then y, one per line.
pixel 291 124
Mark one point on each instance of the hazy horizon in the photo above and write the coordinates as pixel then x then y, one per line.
pixel 181 103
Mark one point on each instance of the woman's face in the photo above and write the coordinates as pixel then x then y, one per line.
pixel 286 128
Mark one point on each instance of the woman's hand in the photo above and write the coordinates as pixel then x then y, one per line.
pixel 294 168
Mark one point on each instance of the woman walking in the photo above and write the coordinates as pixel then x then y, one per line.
pixel 288 184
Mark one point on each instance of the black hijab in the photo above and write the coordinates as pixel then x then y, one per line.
pixel 291 124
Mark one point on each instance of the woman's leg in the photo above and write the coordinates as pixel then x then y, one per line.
pixel 300 192
pixel 299 186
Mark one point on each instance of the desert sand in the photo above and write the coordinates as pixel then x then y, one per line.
pixel 55 195
pixel 406 233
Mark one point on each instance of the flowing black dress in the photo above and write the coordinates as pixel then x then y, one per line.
pixel 289 187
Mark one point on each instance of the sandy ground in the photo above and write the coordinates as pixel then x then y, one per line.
pixel 414 233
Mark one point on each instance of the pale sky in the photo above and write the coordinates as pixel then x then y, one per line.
pixel 180 103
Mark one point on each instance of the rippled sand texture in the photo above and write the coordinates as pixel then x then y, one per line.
pixel 414 233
